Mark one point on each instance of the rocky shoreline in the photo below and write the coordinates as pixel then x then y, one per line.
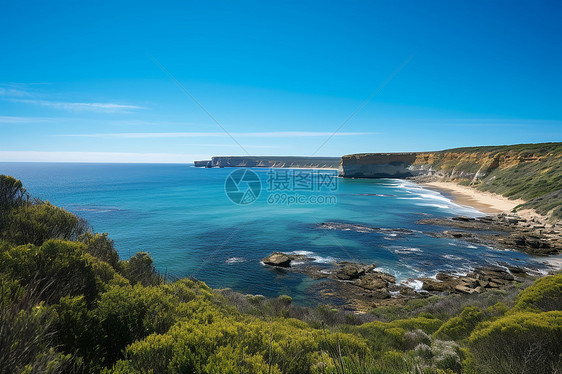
pixel 361 288
pixel 503 231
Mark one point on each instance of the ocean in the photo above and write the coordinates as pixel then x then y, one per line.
pixel 193 223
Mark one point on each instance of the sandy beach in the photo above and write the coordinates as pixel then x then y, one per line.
pixel 485 202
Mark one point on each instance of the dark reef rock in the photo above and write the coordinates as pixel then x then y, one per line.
pixel 502 231
pixel 363 229
pixel 351 271
pixel 433 285
pixel 281 259
pixel 361 288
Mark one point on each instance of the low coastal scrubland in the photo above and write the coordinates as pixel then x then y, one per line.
pixel 68 303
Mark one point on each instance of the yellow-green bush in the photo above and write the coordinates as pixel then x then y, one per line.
pixel 36 223
pixel 26 337
pixel 140 269
pixel 197 346
pixel 458 328
pixel 523 342
pixel 100 246
pixel 12 192
pixel 55 269
pixel 544 295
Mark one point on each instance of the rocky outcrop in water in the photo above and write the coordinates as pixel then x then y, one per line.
pixel 478 281
pixel 283 260
pixel 507 231
pixel 361 287
pixel 342 226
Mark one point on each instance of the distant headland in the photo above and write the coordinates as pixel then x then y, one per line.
pixel 270 162
pixel 526 173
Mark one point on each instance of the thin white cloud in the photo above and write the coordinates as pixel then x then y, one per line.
pixel 102 157
pixel 17 119
pixel 274 134
pixel 13 92
pixel 71 106
pixel 230 145
pixel 96 121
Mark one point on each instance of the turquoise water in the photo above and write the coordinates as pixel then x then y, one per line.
pixel 182 216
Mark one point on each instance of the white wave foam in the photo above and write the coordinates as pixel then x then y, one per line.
pixel 553 262
pixel 452 257
pixel 406 250
pixel 417 192
pixel 302 253
pixel 234 260
pixel 386 270
pixel 413 283
pixel 440 206
pixel 316 258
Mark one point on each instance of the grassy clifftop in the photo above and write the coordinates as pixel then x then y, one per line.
pixel 532 172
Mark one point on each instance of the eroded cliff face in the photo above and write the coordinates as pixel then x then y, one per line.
pixel 379 165
pixel 471 164
pixel 532 172
pixel 203 164
pixel 476 165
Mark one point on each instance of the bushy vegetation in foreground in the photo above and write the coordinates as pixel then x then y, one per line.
pixel 69 304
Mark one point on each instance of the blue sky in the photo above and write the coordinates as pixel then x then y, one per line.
pixel 78 81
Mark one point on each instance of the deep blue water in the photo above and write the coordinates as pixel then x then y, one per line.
pixel 183 218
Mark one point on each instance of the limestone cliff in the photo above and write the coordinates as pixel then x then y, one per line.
pixel 203 164
pixel 378 165
pixel 532 172
pixel 272 162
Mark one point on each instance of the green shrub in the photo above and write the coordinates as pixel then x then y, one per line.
pixel 37 223
pixel 100 246
pixel 26 340
pixel 11 291
pixel 458 328
pixel 414 338
pixel 140 269
pixel 446 355
pixel 53 270
pixel 229 360
pixel 427 325
pixel 243 344
pixel 285 300
pixel 524 342
pixel 543 296
pixel 12 192
pixel 130 313
pixel 78 331
pixel 155 353
pixel 383 336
